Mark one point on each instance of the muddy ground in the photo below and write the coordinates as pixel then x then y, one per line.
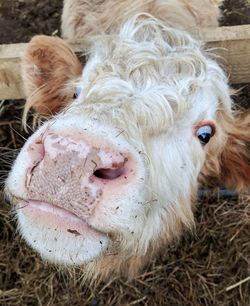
pixel 204 268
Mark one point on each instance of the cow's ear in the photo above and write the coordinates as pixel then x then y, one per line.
pixel 48 67
pixel 235 158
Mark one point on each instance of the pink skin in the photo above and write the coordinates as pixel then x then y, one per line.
pixel 57 218
pixel 36 153
pixel 70 178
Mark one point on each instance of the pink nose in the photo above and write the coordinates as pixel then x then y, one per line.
pixel 74 174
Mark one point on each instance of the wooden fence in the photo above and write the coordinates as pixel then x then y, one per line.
pixel 232 44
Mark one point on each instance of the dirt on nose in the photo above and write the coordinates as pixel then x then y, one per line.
pixel 65 181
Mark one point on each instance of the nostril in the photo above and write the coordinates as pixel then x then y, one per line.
pixel 109 174
pixel 115 171
pixel 36 151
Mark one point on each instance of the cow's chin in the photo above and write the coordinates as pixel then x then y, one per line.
pixel 58 235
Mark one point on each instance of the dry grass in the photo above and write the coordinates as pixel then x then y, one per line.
pixel 211 267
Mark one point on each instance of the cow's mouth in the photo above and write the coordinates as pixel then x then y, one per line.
pixel 56 218
pixel 59 235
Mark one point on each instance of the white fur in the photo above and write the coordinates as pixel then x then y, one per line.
pixel 150 85
pixel 58 246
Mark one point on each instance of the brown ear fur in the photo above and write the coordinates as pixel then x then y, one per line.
pixel 235 158
pixel 48 66
pixel 230 166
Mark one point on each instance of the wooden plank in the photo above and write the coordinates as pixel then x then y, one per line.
pixel 232 44
pixel 235 59
pixel 10 78
pixel 234 33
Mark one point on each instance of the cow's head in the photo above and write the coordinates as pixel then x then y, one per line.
pixel 113 174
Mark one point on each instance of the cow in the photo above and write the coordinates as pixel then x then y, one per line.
pixel 111 176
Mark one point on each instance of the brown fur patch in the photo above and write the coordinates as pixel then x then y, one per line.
pixel 235 159
pixel 231 164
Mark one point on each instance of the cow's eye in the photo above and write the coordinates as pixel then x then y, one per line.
pixel 77 92
pixel 204 133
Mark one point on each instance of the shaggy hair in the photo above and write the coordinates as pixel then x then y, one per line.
pixel 152 84
pixel 81 19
